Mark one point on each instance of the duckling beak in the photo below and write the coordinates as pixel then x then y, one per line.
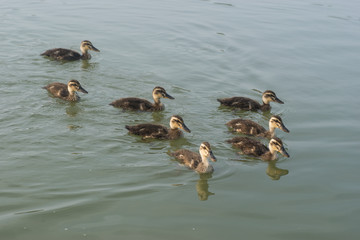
pixel 282 127
pixel 278 100
pixel 91 47
pixel 168 96
pixel 185 128
pixel 283 152
pixel 81 89
pixel 212 157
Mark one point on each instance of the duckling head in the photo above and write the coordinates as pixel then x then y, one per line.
pixel 205 150
pixel 74 86
pixel 86 45
pixel 277 145
pixel 159 92
pixel 269 96
pixel 276 122
pixel 177 122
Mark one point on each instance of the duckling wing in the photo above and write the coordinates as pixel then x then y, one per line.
pixel 246 126
pixel 240 102
pixel 57 89
pixel 249 146
pixel 187 157
pixel 62 54
pixel 148 130
pixel 133 104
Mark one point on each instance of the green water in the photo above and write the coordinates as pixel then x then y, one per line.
pixel 71 171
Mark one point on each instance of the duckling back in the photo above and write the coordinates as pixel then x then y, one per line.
pixel 148 130
pixel 249 146
pixel 62 54
pixel 133 104
pixel 243 103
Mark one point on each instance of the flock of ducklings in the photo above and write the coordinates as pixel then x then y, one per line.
pixel 192 160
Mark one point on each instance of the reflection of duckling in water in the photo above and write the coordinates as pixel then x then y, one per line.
pixel 245 103
pixel 274 172
pixel 252 128
pixel 202 187
pixel 196 161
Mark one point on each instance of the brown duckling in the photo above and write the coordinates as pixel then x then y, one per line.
pixel 196 161
pixel 245 103
pixel 148 130
pixel 66 92
pixel 63 54
pixel 252 128
pixel 143 104
pixel 255 148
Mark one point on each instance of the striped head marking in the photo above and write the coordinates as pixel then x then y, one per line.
pixel 159 92
pixel 75 86
pixel 206 151
pixel 177 122
pixel 269 96
pixel 276 122
pixel 277 145
pixel 87 45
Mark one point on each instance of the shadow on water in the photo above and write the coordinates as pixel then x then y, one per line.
pixel 202 187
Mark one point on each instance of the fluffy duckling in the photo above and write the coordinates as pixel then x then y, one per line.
pixel 196 161
pixel 252 128
pixel 148 130
pixel 255 148
pixel 143 104
pixel 250 104
pixel 63 54
pixel 65 92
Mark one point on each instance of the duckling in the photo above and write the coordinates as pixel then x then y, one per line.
pixel 70 55
pixel 143 104
pixel 255 148
pixel 196 161
pixel 148 130
pixel 66 92
pixel 249 104
pixel 252 128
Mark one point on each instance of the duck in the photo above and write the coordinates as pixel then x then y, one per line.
pixel 245 103
pixel 250 127
pixel 195 161
pixel 65 92
pixel 132 103
pixel 252 147
pixel 62 54
pixel 155 131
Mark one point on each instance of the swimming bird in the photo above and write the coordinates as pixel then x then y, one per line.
pixel 148 130
pixel 255 148
pixel 245 103
pixel 196 161
pixel 66 92
pixel 71 55
pixel 250 127
pixel 143 104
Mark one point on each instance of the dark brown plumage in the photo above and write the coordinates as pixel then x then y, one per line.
pixel 196 161
pixel 63 54
pixel 250 127
pixel 245 103
pixel 65 92
pixel 148 130
pixel 255 148
pixel 143 104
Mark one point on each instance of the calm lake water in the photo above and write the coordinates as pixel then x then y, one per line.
pixel 71 171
